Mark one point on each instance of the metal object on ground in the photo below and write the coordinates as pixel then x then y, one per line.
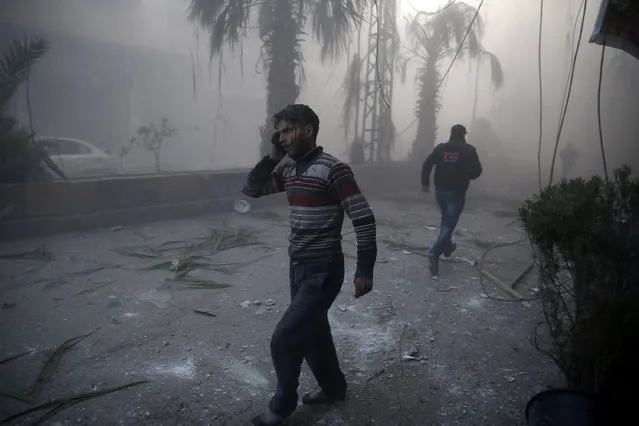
pixel 241 206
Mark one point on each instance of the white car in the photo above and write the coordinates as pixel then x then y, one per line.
pixel 78 158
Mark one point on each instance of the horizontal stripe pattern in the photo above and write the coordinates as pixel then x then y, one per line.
pixel 262 181
pixel 320 190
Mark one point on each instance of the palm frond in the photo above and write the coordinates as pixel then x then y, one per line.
pixel 226 21
pixel 332 22
pixel 447 29
pixel 16 63
pixel 497 72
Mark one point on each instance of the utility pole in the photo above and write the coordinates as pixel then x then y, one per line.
pixel 377 124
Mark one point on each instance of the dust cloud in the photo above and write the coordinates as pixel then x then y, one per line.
pixel 115 66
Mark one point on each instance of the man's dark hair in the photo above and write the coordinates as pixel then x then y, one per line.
pixel 458 130
pixel 298 114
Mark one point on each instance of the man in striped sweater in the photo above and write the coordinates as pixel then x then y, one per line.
pixel 320 189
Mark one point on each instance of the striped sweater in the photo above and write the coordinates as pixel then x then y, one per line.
pixel 320 189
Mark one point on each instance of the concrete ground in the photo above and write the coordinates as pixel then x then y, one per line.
pixel 416 351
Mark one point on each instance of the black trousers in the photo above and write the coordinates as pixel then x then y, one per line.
pixel 304 333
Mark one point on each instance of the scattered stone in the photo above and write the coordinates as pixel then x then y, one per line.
pixel 269 302
pixel 245 304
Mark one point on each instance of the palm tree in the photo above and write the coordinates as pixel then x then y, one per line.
pixel 21 159
pixel 281 27
pixel 434 37
pixel 497 77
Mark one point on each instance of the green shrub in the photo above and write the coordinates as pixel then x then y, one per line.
pixel 584 235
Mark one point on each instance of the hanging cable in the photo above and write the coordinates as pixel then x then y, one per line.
pixel 541 93
pixel 570 82
pixel 443 79
pixel 601 142
pixel 572 46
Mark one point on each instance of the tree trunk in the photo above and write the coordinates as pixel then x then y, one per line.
pixel 156 156
pixel 427 107
pixel 281 86
pixel 476 97
pixel 359 82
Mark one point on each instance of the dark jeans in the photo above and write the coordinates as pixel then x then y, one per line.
pixel 304 333
pixel 451 205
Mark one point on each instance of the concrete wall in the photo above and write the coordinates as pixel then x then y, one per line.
pixel 39 209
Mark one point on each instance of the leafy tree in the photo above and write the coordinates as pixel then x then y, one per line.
pixel 281 26
pixel 435 37
pixel 21 158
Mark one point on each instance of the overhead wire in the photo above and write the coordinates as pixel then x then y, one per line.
pixel 541 93
pixel 567 100
pixel 443 79
pixel 599 84
pixel 572 45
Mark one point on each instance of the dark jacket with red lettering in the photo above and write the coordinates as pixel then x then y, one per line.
pixel 456 164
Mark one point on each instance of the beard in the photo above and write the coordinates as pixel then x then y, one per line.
pixel 301 147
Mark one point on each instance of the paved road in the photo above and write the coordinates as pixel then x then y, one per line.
pixel 467 357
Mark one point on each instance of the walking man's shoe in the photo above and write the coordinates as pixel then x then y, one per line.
pixel 433 266
pixel 319 397
pixel 267 418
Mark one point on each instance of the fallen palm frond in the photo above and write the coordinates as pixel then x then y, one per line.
pixel 96 269
pixel 172 245
pixel 184 266
pixel 88 290
pixel 11 392
pixel 140 252
pixel 184 257
pixel 62 403
pixel 52 364
pixel 8 390
pixel 192 283
pixel 221 240
pixel 12 357
pixel 216 241
pixel 41 253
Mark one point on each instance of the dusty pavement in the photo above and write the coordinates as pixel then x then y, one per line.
pixel 416 352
